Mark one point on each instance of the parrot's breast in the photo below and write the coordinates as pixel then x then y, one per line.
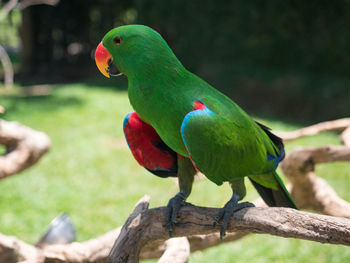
pixel 164 113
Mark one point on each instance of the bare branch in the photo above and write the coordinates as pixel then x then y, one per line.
pixel 285 222
pixel 7 8
pixel 26 3
pixel 24 145
pixel 96 250
pixel 13 250
pixel 336 125
pixel 8 68
pixel 345 137
pixel 191 220
pixel 177 251
pixel 310 191
pixel 155 249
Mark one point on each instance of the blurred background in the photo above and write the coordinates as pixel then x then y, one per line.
pixel 285 62
pixel 288 58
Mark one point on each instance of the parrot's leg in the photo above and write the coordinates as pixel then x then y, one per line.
pixel 186 173
pixel 232 205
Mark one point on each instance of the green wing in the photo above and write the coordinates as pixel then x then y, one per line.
pixel 225 150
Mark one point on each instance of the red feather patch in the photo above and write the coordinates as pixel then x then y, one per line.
pixel 197 105
pixel 148 148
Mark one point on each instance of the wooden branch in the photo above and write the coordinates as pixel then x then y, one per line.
pixel 13 250
pixel 155 249
pixel 285 222
pixel 7 8
pixel 310 191
pixel 345 137
pixel 24 146
pixel 8 68
pixel 336 125
pixel 132 221
pixel 26 3
pixel 12 4
pixel 177 251
pixel 96 250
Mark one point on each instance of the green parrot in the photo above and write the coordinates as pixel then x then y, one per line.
pixel 182 125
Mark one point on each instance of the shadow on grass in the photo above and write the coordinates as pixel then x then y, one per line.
pixel 113 83
pixel 48 103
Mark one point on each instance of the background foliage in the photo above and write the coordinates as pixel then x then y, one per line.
pixel 289 55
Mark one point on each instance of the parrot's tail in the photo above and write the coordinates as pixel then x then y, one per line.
pixel 279 197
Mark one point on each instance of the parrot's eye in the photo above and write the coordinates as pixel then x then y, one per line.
pixel 117 40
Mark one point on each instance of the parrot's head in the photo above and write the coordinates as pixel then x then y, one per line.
pixel 133 50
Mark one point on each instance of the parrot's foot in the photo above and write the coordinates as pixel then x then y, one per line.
pixel 172 210
pixel 226 212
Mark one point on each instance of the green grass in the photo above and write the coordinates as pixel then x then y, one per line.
pixel 90 173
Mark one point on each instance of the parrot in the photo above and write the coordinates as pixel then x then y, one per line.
pixel 181 125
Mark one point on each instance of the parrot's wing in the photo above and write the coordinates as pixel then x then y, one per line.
pixel 148 148
pixel 224 150
pixel 275 139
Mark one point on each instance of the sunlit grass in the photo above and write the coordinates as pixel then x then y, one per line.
pixel 90 173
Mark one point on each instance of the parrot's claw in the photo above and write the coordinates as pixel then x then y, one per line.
pixel 226 212
pixel 172 210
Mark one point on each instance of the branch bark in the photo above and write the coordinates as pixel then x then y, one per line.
pixel 26 3
pixel 335 125
pixel 8 68
pixel 345 137
pixel 24 146
pixel 149 225
pixel 13 250
pixel 310 191
pixel 177 251
pixel 96 250
pixel 148 228
pixel 7 8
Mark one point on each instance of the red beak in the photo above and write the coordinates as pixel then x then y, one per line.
pixel 102 59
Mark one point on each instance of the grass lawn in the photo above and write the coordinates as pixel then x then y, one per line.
pixel 90 174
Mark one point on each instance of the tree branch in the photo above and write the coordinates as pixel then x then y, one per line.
pixel 26 3
pixel 8 68
pixel 24 146
pixel 310 191
pixel 149 225
pixel 335 125
pixel 7 8
pixel 345 137
pixel 177 251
